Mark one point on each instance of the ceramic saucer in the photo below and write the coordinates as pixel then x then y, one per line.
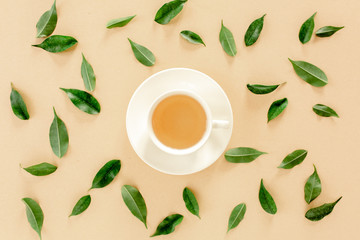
pixel 138 110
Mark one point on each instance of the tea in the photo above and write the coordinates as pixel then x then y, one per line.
pixel 179 121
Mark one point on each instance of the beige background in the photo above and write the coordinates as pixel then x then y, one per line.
pixel 332 143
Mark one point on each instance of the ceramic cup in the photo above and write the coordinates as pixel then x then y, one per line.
pixel 210 123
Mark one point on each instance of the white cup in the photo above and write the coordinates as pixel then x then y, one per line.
pixel 210 123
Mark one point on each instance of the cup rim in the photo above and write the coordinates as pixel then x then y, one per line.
pixel 194 147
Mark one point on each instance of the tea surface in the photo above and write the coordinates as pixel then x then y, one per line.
pixel 179 121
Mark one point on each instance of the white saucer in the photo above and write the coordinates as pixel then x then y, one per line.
pixel 137 113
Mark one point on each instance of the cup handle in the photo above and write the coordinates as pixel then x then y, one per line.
pixel 220 124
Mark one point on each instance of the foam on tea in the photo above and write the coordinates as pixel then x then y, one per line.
pixel 179 121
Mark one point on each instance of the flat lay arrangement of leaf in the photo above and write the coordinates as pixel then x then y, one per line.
pixel 190 202
pixel 253 32
pixel 276 108
pixel 312 187
pixel 242 155
pixel 307 29
pixel 324 111
pixel 135 202
pixel 262 89
pixel 318 213
pixel 227 40
pixel 168 11
pixel 87 74
pixel 86 102
pixel 106 174
pixel 83 100
pixel 168 225
pixel 41 169
pixel 192 37
pixel 310 73
pixel 81 205
pixel 18 105
pixel 236 216
pixel 34 214
pixel 47 22
pixel 58 135
pixel 293 159
pixel 119 22
pixel 57 43
pixel 266 200
pixel 327 31
pixel 142 54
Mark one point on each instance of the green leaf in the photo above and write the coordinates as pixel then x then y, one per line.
pixel 253 32
pixel 327 31
pixel 293 159
pixel 307 29
pixel 18 105
pixel 41 169
pixel 312 187
pixel 242 155
pixel 47 22
pixel 168 225
pixel 119 22
pixel 276 108
pixel 135 202
pixel 106 174
pixel 83 100
pixel 318 213
pixel 58 135
pixel 81 205
pixel 57 43
pixel 236 216
pixel 142 54
pixel 34 214
pixel 262 89
pixel 192 37
pixel 87 74
pixel 190 202
pixel 324 111
pixel 266 200
pixel 227 40
pixel 168 11
pixel 309 73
